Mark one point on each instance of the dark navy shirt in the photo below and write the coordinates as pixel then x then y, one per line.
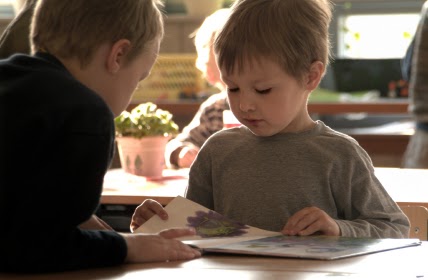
pixel 56 143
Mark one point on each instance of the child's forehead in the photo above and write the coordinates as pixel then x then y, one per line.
pixel 252 63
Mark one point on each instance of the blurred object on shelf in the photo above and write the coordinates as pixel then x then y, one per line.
pixel 398 88
pixel 202 8
pixel 174 7
pixel 178 6
pixel 173 77
pixel 326 95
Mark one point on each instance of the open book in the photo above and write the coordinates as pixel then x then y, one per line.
pixel 217 233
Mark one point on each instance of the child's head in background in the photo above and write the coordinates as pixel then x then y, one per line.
pixel 204 40
pixel 272 54
pixel 108 45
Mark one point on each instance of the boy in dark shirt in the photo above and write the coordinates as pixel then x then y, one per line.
pixel 57 134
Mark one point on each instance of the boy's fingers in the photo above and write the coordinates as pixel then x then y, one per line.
pixel 177 232
pixel 153 207
pixel 300 221
pixel 311 229
pixel 136 222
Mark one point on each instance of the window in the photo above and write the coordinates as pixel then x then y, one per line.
pixel 376 36
pixel 374 29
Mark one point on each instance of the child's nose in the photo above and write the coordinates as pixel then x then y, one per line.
pixel 246 102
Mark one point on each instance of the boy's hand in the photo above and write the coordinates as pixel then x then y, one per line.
pixel 145 211
pixel 186 157
pixel 161 247
pixel 311 220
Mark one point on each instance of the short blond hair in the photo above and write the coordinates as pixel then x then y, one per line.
pixel 293 33
pixel 76 28
pixel 210 26
pixel 204 36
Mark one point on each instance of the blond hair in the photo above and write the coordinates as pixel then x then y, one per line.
pixel 293 33
pixel 76 28
pixel 211 25
pixel 206 33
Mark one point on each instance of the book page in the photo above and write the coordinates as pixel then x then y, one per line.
pixel 313 247
pixel 212 228
pixel 217 233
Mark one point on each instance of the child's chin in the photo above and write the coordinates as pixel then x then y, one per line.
pixel 258 132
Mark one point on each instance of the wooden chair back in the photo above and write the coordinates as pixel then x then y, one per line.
pixel 418 217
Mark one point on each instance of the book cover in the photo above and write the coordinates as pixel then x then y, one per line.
pixel 219 234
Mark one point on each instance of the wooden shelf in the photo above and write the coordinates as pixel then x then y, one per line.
pixel 380 107
pixel 324 108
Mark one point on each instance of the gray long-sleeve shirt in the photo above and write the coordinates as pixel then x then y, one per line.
pixel 262 181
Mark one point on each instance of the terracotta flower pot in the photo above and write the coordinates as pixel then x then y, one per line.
pixel 143 157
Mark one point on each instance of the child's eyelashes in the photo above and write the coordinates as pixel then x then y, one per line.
pixel 259 91
pixel 232 89
pixel 263 91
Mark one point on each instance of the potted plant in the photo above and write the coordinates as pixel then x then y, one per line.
pixel 141 136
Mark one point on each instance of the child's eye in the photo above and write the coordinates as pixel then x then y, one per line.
pixel 264 91
pixel 232 89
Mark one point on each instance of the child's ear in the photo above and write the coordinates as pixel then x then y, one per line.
pixel 316 72
pixel 117 54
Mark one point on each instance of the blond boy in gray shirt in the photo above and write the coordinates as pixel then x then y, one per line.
pixel 281 170
pixel 263 182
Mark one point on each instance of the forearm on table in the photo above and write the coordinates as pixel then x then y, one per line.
pixel 95 222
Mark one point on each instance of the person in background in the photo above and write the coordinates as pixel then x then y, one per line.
pixel 415 68
pixel 182 150
pixel 15 38
pixel 281 170
pixel 57 135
